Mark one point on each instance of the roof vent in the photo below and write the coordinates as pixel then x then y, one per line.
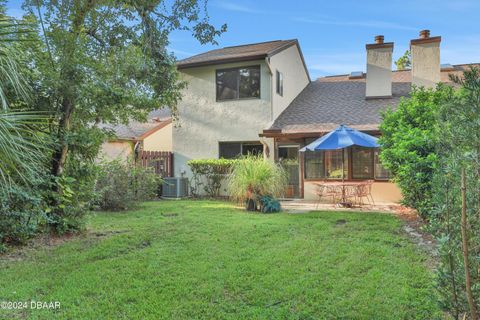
pixel 447 67
pixel 356 75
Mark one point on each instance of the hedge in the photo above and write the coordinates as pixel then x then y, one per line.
pixel 209 173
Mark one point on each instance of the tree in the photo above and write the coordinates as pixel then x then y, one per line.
pixel 409 145
pixel 106 61
pixel 404 62
pixel 457 196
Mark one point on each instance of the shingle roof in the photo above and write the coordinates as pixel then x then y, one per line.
pixel 245 52
pixel 135 129
pixel 330 101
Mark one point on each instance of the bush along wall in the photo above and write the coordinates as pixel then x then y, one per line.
pixel 208 176
pixel 121 184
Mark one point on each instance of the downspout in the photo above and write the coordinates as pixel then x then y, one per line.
pixel 136 150
pixel 267 62
pixel 263 141
pixel 266 148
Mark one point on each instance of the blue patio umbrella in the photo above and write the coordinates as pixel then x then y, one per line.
pixel 341 138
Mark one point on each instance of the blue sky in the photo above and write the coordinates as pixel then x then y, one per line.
pixel 333 34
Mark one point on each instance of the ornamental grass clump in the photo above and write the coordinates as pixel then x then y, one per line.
pixel 253 177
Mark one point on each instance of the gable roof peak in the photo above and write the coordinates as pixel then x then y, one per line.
pixel 239 53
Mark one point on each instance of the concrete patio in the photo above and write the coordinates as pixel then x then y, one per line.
pixel 301 206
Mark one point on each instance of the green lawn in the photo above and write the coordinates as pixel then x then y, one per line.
pixel 206 259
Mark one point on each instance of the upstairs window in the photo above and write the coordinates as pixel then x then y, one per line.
pixel 279 77
pixel 238 83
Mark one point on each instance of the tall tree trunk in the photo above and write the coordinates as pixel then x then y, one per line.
pixel 68 92
pixel 468 284
pixel 60 154
pixel 450 256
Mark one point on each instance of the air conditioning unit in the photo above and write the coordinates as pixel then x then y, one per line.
pixel 175 187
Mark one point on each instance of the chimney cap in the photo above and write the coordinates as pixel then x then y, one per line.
pixel 425 38
pixel 379 39
pixel 425 34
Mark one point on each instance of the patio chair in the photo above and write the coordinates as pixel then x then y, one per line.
pixel 326 191
pixel 365 191
pixel 370 185
pixel 351 194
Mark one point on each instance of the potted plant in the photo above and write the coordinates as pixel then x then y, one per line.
pixel 253 177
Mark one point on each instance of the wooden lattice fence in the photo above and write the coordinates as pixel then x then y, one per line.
pixel 160 161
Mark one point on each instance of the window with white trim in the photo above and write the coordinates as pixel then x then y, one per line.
pixel 279 77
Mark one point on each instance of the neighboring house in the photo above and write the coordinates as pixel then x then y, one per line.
pixel 153 135
pixel 258 98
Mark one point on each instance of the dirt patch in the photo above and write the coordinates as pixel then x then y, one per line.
pixel 51 241
pixel 48 241
pixel 144 244
pixel 340 222
pixel 413 226
pixel 169 215
pixel 108 233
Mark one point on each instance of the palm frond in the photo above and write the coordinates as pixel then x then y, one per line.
pixel 10 75
pixel 23 149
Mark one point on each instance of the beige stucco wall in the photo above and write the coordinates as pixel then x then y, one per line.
pixel 203 121
pixel 379 72
pixel 295 78
pixel 382 192
pixel 425 64
pixel 116 149
pixel 160 140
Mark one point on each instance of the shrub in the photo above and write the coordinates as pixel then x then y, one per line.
pixel 253 177
pixel 120 184
pixel 455 220
pixel 21 215
pixel 209 173
pixel 408 145
pixel 269 204
pixel 67 215
pixel 145 183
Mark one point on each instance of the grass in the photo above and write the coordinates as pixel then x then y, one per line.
pixel 208 260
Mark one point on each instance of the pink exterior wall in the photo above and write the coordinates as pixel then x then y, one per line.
pixel 382 192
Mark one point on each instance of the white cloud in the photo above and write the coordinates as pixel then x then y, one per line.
pixel 362 24
pixel 461 49
pixel 235 7
pixel 334 63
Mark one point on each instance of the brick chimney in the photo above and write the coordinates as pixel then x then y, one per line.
pixel 379 69
pixel 425 60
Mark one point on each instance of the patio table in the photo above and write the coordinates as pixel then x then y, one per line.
pixel 342 185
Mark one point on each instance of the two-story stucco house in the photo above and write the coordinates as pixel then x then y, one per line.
pixel 259 98
pixel 233 94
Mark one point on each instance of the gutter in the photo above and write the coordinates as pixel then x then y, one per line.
pixel 267 62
